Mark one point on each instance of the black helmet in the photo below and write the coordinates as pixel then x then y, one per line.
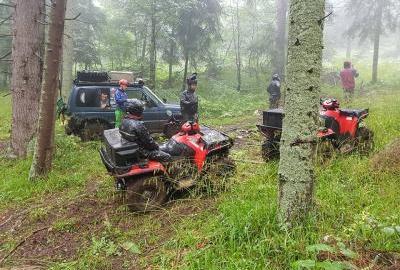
pixel 140 81
pixel 276 77
pixel 192 79
pixel 135 107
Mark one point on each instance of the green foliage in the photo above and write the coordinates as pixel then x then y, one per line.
pixel 366 17
pixel 5 112
pixel 85 31
pixel 5 45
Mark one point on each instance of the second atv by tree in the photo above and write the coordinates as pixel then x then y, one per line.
pixel 343 130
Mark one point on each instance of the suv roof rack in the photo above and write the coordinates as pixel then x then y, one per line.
pixel 92 76
pixel 135 84
pixel 103 78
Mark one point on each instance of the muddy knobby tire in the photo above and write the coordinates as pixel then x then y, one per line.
pixel 325 151
pixel 92 130
pixel 269 150
pixel 365 140
pixel 144 194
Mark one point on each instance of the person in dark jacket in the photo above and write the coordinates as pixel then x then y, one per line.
pixel 274 90
pixel 189 101
pixel 121 98
pixel 133 129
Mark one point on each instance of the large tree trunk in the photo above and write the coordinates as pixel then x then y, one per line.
pixel 45 142
pixel 185 70
pixel 377 37
pixel 348 49
pixel 68 51
pixel 144 47
pixel 28 31
pixel 296 169
pixel 153 50
pixel 238 48
pixel 170 61
pixel 280 37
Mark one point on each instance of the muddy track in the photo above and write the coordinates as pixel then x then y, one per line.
pixel 42 240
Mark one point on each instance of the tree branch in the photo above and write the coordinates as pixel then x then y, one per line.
pixel 74 18
pixel 7 5
pixel 323 18
pixel 6 19
pixel 4 56
pixel 21 242
pixel 6 35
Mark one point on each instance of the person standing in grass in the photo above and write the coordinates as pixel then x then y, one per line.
pixel 347 77
pixel 189 100
pixel 274 90
pixel 121 98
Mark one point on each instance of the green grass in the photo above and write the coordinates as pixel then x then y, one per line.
pixel 5 112
pixel 354 204
pixel 75 163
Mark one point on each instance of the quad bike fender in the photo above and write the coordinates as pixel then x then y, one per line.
pixel 139 169
pixel 194 142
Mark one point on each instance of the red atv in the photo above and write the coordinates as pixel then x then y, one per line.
pixel 147 183
pixel 342 129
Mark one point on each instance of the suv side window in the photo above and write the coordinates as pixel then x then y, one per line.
pixel 140 95
pixel 93 98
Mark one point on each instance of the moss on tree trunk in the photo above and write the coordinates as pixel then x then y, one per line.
pixel 44 148
pixel 296 169
pixel 27 65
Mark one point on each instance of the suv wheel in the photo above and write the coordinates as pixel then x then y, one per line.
pixel 92 130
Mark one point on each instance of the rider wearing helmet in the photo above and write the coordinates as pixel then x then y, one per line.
pixel 133 129
pixel 120 98
pixel 189 101
pixel 274 90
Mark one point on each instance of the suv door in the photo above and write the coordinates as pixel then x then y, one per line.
pixel 151 114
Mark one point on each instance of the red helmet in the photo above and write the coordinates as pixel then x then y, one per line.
pixel 330 104
pixel 123 82
pixel 190 127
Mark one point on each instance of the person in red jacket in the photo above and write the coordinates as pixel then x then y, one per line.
pixel 347 76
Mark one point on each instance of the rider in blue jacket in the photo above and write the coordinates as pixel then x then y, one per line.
pixel 121 98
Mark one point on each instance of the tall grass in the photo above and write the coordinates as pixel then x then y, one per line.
pixel 354 204
pixel 5 112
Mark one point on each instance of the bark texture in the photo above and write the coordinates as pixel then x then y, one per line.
pixel 185 69
pixel 45 142
pixel 296 169
pixel 27 66
pixel 153 57
pixel 280 37
pixel 377 37
pixel 68 52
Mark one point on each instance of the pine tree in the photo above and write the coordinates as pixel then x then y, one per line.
pixel 296 169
